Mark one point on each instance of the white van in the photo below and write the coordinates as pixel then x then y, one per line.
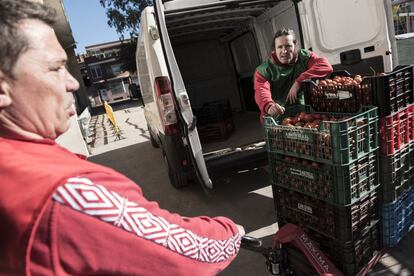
pixel 195 52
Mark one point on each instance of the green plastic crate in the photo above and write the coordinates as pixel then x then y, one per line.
pixel 334 142
pixel 337 184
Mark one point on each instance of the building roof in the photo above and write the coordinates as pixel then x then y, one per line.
pixel 104 45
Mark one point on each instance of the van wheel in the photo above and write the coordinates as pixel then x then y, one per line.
pixel 152 139
pixel 176 179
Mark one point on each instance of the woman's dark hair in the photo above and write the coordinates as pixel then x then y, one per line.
pixel 13 43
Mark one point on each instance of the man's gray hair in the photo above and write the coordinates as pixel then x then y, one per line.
pixel 12 42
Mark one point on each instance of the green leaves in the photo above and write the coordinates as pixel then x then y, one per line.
pixel 124 16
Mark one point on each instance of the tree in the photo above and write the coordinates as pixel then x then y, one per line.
pixel 124 16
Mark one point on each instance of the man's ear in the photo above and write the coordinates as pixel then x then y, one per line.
pixel 5 89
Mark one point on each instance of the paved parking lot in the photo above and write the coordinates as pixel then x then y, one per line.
pixel 245 197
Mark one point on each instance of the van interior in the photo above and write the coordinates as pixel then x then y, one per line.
pixel 217 47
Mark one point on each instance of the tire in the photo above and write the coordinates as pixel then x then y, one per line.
pixel 154 143
pixel 178 180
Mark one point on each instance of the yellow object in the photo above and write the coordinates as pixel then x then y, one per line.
pixel 111 116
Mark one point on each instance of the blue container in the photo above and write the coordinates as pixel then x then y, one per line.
pixel 397 218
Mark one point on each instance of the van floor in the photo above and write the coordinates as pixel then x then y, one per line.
pixel 247 130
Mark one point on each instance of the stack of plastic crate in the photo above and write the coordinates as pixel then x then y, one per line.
pixel 214 121
pixel 393 94
pixel 396 139
pixel 325 179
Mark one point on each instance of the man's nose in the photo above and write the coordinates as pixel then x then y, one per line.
pixel 72 85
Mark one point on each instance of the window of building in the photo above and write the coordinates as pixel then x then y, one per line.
pixel 96 72
pixel 116 69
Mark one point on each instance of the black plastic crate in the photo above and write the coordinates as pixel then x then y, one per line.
pixel 337 184
pixel 338 98
pixel 342 223
pixel 350 257
pixel 213 112
pixel 394 90
pixel 397 173
pixel 390 92
pixel 215 132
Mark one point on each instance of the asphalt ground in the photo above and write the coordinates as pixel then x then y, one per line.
pixel 245 197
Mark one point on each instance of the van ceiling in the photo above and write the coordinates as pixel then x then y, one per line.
pixel 208 18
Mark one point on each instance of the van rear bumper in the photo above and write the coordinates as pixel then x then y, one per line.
pixel 243 159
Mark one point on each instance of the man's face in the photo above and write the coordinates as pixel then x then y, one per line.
pixel 40 91
pixel 285 49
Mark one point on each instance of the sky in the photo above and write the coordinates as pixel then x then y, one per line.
pixel 88 21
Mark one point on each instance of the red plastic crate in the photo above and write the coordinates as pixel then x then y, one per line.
pixel 396 130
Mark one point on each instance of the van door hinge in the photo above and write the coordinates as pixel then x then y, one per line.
pixel 154 32
pixel 185 143
pixel 185 101
pixel 193 124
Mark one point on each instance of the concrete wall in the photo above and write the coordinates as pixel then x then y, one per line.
pixel 73 139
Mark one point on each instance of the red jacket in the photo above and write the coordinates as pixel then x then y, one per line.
pixel 318 67
pixel 62 215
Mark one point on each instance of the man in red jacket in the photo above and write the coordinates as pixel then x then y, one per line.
pixel 60 214
pixel 277 81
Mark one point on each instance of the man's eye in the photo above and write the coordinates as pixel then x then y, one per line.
pixel 56 68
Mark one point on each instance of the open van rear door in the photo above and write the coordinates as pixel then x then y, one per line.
pixel 182 101
pixel 353 34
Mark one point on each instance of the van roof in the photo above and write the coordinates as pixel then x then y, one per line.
pixel 190 17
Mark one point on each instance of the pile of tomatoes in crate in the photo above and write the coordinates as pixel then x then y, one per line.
pixel 340 93
pixel 341 81
pixel 310 134
pixel 308 120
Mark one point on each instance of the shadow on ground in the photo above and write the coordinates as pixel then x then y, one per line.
pixel 231 198
pixel 116 106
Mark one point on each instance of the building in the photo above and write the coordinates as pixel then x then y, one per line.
pixel 103 75
pixel 403 12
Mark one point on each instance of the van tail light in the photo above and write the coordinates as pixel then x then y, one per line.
pixel 166 105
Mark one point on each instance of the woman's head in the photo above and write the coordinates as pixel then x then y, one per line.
pixel 285 46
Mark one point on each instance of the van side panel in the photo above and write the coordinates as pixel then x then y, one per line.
pixel 246 59
pixel 208 72
pixel 353 34
pixel 150 64
pixel 282 15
